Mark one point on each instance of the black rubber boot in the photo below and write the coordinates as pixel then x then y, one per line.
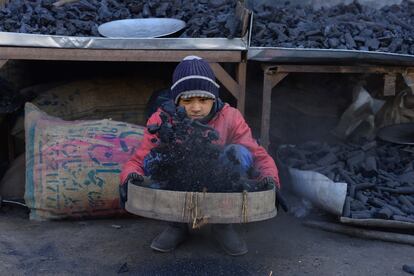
pixel 170 238
pixel 229 239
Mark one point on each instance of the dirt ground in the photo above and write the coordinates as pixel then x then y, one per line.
pixel 280 246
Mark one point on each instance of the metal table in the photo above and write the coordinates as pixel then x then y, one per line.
pixel 277 63
pixel 235 85
pixel 19 46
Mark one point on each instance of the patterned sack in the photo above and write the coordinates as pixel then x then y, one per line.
pixel 72 167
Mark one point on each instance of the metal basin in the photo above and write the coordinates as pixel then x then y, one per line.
pixel 199 207
pixel 141 27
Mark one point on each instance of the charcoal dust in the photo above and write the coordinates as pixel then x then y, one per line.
pixel 380 175
pixel 352 27
pixel 187 159
pixel 82 18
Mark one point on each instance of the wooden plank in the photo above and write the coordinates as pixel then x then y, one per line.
pixel 26 53
pixel 3 62
pixel 409 80
pixel 270 80
pixel 244 15
pixel 241 80
pixel 338 69
pixel 278 78
pixel 266 108
pixel 226 79
pixel 3 3
pixel 389 84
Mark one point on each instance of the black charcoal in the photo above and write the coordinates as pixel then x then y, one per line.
pixel 379 175
pixel 186 159
pixel 41 17
pixel 353 27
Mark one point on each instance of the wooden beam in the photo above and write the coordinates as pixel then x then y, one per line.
pixel 389 84
pixel 3 62
pixel 241 72
pixel 3 3
pixel 270 80
pixel 244 15
pixel 409 80
pixel 226 79
pixel 115 54
pixel 278 77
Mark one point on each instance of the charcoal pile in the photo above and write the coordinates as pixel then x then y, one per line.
pixel 186 159
pixel 352 27
pixel 82 18
pixel 380 176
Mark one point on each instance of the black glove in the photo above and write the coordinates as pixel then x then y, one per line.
pixel 269 183
pixel 134 178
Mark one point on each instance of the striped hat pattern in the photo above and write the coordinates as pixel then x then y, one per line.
pixel 193 77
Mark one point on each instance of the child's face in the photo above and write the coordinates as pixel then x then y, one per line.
pixel 197 107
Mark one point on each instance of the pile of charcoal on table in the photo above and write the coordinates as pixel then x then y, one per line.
pixel 186 159
pixel 215 18
pixel 380 176
pixel 352 27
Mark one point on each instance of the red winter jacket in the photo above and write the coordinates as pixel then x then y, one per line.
pixel 232 129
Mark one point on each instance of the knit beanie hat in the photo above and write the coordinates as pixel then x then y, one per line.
pixel 193 77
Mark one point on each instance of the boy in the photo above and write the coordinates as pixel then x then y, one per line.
pixel 195 88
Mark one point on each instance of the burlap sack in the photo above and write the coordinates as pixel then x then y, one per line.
pixel 118 98
pixel 72 167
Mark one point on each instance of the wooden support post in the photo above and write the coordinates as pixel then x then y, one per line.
pixel 273 74
pixel 241 80
pixel 225 79
pixel 270 80
pixel 389 84
pixel 10 140
pixel 409 79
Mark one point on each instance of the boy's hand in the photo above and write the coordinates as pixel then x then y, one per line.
pixel 134 178
pixel 268 182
